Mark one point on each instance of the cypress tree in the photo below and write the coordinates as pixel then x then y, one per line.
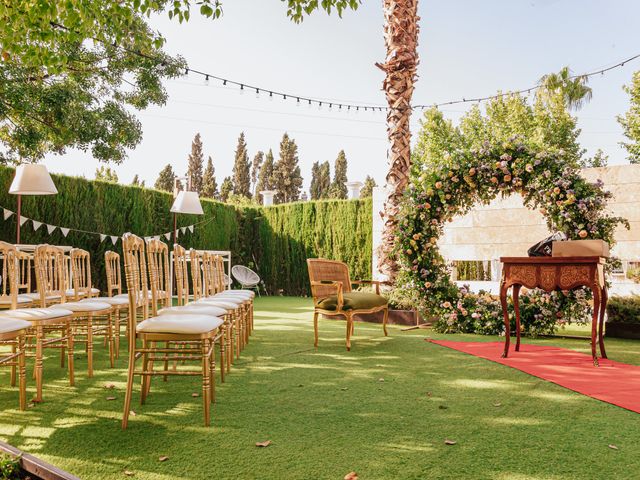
pixel 287 178
pixel 209 184
pixel 255 170
pixel 136 180
pixel 265 176
pixel 324 180
pixel 225 189
pixel 315 173
pixel 241 169
pixel 196 160
pixel 338 187
pixel 367 188
pixel 166 179
pixel 105 174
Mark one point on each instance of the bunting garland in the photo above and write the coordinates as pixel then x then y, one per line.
pixel 6 213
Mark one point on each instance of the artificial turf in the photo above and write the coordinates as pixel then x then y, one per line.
pixel 383 410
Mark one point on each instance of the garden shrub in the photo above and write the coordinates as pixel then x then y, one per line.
pixel 624 309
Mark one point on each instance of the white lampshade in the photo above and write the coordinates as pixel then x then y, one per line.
pixel 32 179
pixel 187 202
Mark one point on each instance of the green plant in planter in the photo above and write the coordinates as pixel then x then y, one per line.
pixel 624 310
pixel 9 467
pixel 634 274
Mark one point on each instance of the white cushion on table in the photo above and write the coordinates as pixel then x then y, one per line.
pixel 113 301
pixel 187 324
pixel 194 309
pixel 36 313
pixel 21 299
pixel 83 306
pixel 13 325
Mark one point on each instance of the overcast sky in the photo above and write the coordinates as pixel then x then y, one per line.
pixel 467 48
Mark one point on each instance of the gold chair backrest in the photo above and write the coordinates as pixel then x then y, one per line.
pixel 135 272
pixel 181 271
pixel 114 274
pixel 197 273
pixel 80 273
pixel 323 270
pixel 159 273
pixel 9 278
pixel 50 265
pixel 220 276
pixel 25 261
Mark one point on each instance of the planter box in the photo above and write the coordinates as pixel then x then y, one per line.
pixel 34 468
pixel 622 330
pixel 396 317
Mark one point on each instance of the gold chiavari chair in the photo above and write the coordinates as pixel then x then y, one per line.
pixel 25 262
pixel 220 283
pixel 88 318
pixel 159 271
pixel 43 321
pixel 114 290
pixel 200 331
pixel 9 283
pixel 13 332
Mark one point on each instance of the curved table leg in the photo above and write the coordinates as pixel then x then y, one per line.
pixel 603 309
pixel 507 323
pixel 516 309
pixel 594 322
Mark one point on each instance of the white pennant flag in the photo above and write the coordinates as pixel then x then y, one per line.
pixel 22 220
pixel 7 213
pixel 167 236
pixel 190 227
pixel 177 234
pixel 51 229
pixel 65 231
pixel 114 239
pixel 157 237
pixel 36 225
pixel 102 237
pixel 183 230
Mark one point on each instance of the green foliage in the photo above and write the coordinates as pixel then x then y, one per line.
pixel 624 309
pixel 265 177
pixel 106 174
pixel 571 89
pixel 367 188
pixel 226 189
pixel 195 162
pixel 241 169
pixel 320 180
pixel 338 187
pixel 599 159
pixel 256 165
pixel 9 467
pixel 166 179
pixel 209 184
pixel 630 121
pixel 286 178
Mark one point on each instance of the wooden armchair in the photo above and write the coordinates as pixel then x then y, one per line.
pixel 332 295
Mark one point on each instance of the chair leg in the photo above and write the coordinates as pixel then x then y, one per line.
pixel 22 373
pixel 90 345
pixel 112 347
pixel 129 390
pixel 146 379
pixel 70 346
pixel 212 370
pixel 385 317
pixel 14 369
pixel 206 389
pixel 39 355
pixel 222 354
pixel 315 329
pixel 349 330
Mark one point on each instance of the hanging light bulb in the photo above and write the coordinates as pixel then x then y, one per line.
pixel 257 93
pixel 309 103
pixel 206 79
pixel 241 89
pixel 297 101
pixel 271 96
pixel 224 82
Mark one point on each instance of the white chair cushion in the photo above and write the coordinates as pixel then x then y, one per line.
pixel 240 296
pixel 247 292
pixel 122 295
pixel 22 299
pixel 113 301
pixel 36 296
pixel 194 309
pixel 227 298
pixel 187 324
pixel 36 313
pixel 216 303
pixel 13 325
pixel 83 306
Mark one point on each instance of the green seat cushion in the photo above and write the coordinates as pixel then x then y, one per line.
pixel 353 301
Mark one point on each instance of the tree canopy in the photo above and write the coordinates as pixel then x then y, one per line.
pixel 630 121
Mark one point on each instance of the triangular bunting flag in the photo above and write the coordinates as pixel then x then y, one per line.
pixel 114 239
pixel 183 230
pixel 65 231
pixel 51 229
pixel 22 220
pixel 7 213
pixel 190 227
pixel 167 236
pixel 36 225
pixel 102 237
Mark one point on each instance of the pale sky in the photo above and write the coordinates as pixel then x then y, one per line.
pixel 467 48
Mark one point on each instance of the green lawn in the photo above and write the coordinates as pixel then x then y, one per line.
pixel 383 410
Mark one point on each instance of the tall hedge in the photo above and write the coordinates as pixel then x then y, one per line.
pixel 275 240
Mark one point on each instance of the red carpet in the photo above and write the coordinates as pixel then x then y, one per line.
pixel 611 382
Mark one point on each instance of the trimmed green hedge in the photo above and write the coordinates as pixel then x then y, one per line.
pixel 275 240
pixel 624 310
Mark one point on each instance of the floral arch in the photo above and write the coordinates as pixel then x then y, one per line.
pixel 546 180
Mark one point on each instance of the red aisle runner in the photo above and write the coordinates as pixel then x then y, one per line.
pixel 611 382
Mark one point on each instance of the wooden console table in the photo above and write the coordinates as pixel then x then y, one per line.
pixel 555 273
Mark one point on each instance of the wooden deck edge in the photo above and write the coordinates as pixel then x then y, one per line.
pixel 34 466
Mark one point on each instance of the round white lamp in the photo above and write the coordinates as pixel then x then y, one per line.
pixel 185 202
pixel 30 179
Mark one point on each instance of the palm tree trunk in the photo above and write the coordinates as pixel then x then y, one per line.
pixel 401 38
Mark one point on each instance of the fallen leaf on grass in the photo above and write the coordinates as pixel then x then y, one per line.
pixel 129 473
pixel 613 447
pixel 450 442
pixel 344 388
pixel 132 413
pixel 110 386
pixel 442 407
pixel 266 443
pixel 195 394
pixel 497 404
pixel 111 398
pixel 381 379
pixel 163 458
pixel 428 394
pixel 351 476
